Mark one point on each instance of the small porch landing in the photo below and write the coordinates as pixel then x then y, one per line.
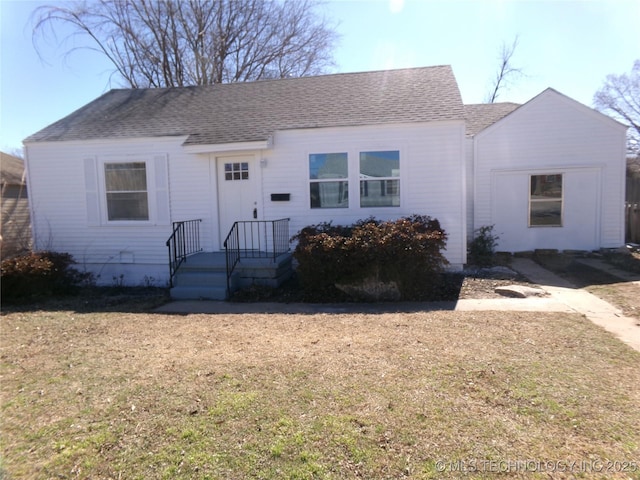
pixel 204 275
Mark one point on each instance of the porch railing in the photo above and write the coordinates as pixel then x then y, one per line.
pixel 255 239
pixel 184 241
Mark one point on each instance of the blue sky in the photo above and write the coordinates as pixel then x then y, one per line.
pixel 567 45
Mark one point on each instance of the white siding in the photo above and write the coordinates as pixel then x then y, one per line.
pixel 69 215
pixel 552 134
pixel 68 200
pixel 431 176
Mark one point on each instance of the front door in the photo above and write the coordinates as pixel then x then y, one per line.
pixel 238 191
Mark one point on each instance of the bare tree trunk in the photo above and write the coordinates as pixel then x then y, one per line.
pixel 506 71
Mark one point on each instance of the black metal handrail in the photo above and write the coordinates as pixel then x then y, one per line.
pixel 255 239
pixel 184 241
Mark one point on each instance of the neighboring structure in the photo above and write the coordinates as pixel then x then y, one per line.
pixel 15 236
pixel 107 181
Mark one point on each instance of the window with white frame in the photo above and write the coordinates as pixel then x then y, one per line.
pixel 380 179
pixel 236 171
pixel 126 191
pixel 328 184
pixel 545 201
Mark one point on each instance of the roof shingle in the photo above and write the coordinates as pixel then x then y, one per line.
pixel 252 111
pixel 482 115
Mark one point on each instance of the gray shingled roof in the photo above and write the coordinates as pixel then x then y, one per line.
pixel 482 115
pixel 245 112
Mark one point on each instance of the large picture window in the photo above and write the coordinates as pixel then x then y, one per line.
pixel 328 185
pixel 380 179
pixel 545 201
pixel 126 189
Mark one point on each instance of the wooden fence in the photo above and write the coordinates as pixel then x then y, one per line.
pixel 632 222
pixel 632 203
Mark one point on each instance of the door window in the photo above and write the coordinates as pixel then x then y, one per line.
pixel 236 171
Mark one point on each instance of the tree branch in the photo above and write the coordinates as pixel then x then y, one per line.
pixel 506 71
pixel 167 43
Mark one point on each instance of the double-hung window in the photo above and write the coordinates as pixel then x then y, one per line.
pixel 545 201
pixel 126 191
pixel 328 184
pixel 380 179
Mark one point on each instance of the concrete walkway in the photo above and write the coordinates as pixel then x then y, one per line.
pixel 563 297
pixel 595 309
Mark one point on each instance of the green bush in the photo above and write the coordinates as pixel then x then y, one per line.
pixel 406 251
pixel 40 274
pixel 482 247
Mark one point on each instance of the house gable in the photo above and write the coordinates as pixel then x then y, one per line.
pixel 551 134
pixel 551 100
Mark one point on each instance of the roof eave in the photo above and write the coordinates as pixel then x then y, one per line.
pixel 229 147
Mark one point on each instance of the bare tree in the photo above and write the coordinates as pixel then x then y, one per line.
pixel 506 71
pixel 16 152
pixel 171 43
pixel 620 98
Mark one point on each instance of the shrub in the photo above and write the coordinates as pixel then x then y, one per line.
pixel 482 247
pixel 40 274
pixel 406 251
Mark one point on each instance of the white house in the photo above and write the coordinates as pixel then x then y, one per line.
pixel 109 181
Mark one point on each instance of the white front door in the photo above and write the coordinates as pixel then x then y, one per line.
pixel 238 191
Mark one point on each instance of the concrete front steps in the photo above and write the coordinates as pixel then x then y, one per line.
pixel 203 276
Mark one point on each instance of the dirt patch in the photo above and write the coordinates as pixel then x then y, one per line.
pixel 451 287
pixel 94 299
pixel 629 262
pixel 477 287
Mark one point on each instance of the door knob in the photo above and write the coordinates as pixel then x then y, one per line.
pixel 255 213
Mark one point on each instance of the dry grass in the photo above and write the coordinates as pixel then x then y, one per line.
pixel 134 395
pixel 624 295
